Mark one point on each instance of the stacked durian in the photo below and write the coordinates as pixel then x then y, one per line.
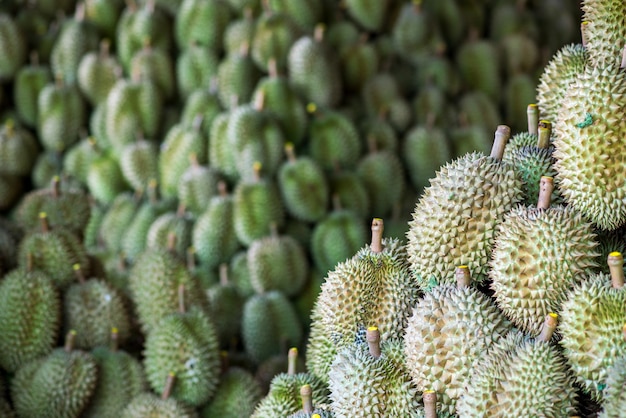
pixel 215 161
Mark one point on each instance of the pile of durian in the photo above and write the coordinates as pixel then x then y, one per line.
pixel 180 179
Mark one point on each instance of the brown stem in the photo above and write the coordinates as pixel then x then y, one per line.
pixel 463 277
pixel 43 221
pixel 273 229
pixel 79 13
pixel 546 186
pixel 259 101
pixel 105 48
pixel 114 339
pixel 256 168
pixel 29 262
pixel 503 133
pixel 377 235
pixel 222 188
pixel 79 273
pixel 533 118
pixel 169 385
pixel 181 298
pixel 180 210
pixel 171 242
pixel 191 258
pixel 224 274
pixel 430 404
pixel 373 341
pixel 615 261
pixel 272 67
pixel 548 328
pixel 70 337
pixel 55 186
pixel 319 31
pixel 624 332
pixel 583 32
pixel 292 361
pixel 290 152
pixel 306 393
pixel 543 138
pixel 193 159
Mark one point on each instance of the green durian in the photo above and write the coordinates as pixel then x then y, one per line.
pixel 60 384
pixel 116 221
pixel 592 326
pixel 237 395
pixel 79 157
pixel 139 163
pixel 12 47
pixel 221 154
pixel 370 14
pixel 240 273
pixel 178 223
pixel 225 303
pixel 269 325
pixel 274 35
pixel 18 150
pixel 519 90
pixel 359 62
pixel 203 102
pixel 11 189
pixel 604 27
pixel 448 331
pixel 237 76
pixel 29 81
pixel 348 192
pixel 201 23
pixel 586 132
pixel 477 108
pixel 455 219
pixel 149 405
pixel 425 149
pixel 30 318
pixel 197 186
pixel 97 73
pixel 479 61
pixel 239 32
pixel 530 281
pixel 430 108
pixel 104 15
pixel 156 65
pixel 305 13
pixel 614 402
pixel 414 33
pixel 196 68
pixel 333 140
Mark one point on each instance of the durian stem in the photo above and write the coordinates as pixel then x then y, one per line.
pixel 193 159
pixel 624 332
pixel 70 337
pixel 583 32
pixel 169 385
pixel 533 118
pixel 336 199
pixel 372 335
pixel 181 298
pixel 197 122
pixel 430 404
pixel 55 186
pixel 105 48
pixel 234 101
pixel 79 13
pixel 503 133
pixel 318 33
pixel 114 339
pixel 543 138
pixel 292 361
pixel 548 328
pixel 180 210
pixel 290 152
pixel 546 186
pixel 623 64
pixel 171 242
pixel 273 229
pixel 43 221
pixel 256 168
pixel 191 258
pixel 377 235
pixel 306 393
pixel 259 101
pixel 244 49
pixel 224 274
pixel 222 189
pixel 272 67
pixel 463 277
pixel 615 261
pixel 79 273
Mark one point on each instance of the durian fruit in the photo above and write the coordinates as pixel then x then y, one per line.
pixel 65 207
pixel 373 286
pixel 237 75
pixel 277 262
pixel 479 66
pixel 274 35
pixel 186 343
pixel 29 81
pixel 519 89
pixel 557 76
pixel 12 47
pixel 359 63
pixel 348 192
pixel 424 150
pixel 239 31
pixel 539 253
pixel 97 73
pixel 196 68
pixel 148 405
pixel 522 376
pixel 53 252
pixel 18 150
pixel 455 219
pixel 60 384
pixel 604 27
pixel 92 308
pixel 116 221
pixel 197 186
pixel 257 205
pixel 269 325
pixel 205 102
pixel 314 71
pixel 614 403
pixel 226 303
pixel 306 13
pixel 104 15
pixel 370 379
pixel 178 223
pixel 609 241
pixel 236 396
pixel 590 174
pixel 139 163
pixel 154 284
pixel 155 64
pixel 283 397
pixel 368 14
pixel 303 186
pixel 450 328
pixel 10 236
pixel 120 379
pixel 78 158
pixel 594 314
pixel 221 154
pixel 30 318
pixel 201 23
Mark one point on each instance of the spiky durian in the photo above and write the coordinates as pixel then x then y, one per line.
pixel 523 376
pixel 105 180
pixel 57 385
pixel 155 64
pixel 205 102
pixel 30 318
pixel 531 280
pixel 186 343
pixel 239 32
pixel 226 306
pixel 18 150
pixel 197 186
pixel 614 403
pixel 116 220
pixel 12 47
pixel 274 35
pixel 148 404
pixel 348 192
pixel 425 149
pixel 455 219
pixel 375 287
pixel 269 325
pixel 592 328
pixel 333 139
pixel 479 66
pixel 306 13
pixel 29 81
pixel 237 395
pixel 139 163
pixel 196 68
pixel 53 252
pixel 446 334
pixel 587 145
pixel 178 223
pixel 314 70
pixel 277 262
pixel 237 76
pixel 97 73
pixel 91 308
pixel 154 281
pixel 310 411
pixel 103 15
pixel 120 379
pixel 221 154
pixel 79 157
pixel 370 379
pixel 604 27
pixel 283 397
pixel 201 23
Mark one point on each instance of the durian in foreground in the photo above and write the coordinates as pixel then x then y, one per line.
pixel 614 403
pixel 520 376
pixel 539 254
pixel 589 145
pixel 450 329
pixel 372 287
pixel 594 316
pixel 455 219
pixel 148 405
